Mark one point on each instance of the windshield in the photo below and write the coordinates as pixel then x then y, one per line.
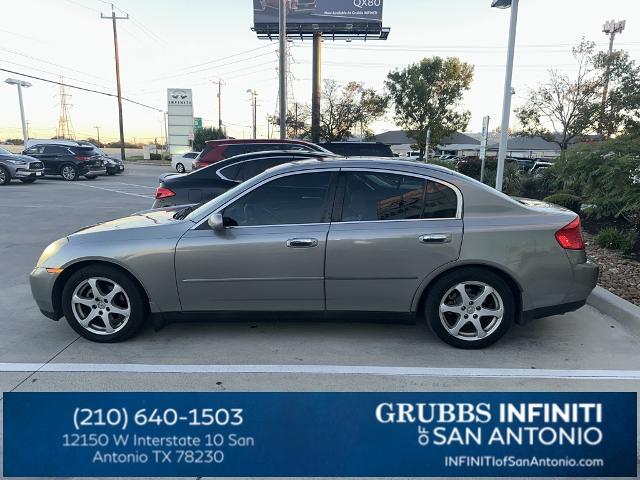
pixel 4 151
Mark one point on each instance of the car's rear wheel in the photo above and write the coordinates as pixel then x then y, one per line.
pixel 103 304
pixel 69 172
pixel 180 168
pixel 470 308
pixel 5 176
pixel 28 180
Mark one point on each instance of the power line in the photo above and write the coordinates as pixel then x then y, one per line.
pixel 80 88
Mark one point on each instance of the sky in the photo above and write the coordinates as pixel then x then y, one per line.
pixel 191 43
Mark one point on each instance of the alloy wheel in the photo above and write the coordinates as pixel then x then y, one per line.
pixel 68 173
pixel 180 168
pixel 471 310
pixel 101 306
pixel 3 176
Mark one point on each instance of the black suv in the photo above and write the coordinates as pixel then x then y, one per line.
pixel 69 161
pixel 359 149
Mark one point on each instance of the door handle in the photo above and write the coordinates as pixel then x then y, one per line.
pixel 302 243
pixel 436 238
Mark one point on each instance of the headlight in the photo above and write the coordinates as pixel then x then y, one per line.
pixel 17 162
pixel 51 250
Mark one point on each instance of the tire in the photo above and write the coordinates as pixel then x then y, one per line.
pixel 91 288
pixel 5 176
pixel 69 172
pixel 451 325
pixel 28 180
pixel 180 168
pixel 111 172
pixel 90 177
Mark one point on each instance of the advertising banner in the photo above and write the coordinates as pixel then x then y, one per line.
pixel 320 11
pixel 320 434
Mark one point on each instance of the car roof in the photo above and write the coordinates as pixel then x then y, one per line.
pixel 234 141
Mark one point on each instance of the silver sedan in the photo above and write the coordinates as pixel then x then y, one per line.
pixel 327 236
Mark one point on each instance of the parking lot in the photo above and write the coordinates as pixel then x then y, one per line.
pixel 582 351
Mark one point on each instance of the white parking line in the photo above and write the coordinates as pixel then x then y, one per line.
pixel 326 370
pixel 135 185
pixel 116 191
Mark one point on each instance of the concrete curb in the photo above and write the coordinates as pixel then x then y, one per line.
pixel 617 308
pixel 154 163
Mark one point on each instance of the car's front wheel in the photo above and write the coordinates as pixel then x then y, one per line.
pixel 180 168
pixel 470 308
pixel 103 304
pixel 5 176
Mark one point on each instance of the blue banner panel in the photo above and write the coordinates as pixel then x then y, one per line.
pixel 320 434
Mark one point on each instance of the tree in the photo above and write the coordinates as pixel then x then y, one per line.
pixel 426 96
pixel 622 108
pixel 201 135
pixel 345 108
pixel 568 105
pixel 297 120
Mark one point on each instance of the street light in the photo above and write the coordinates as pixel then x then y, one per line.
pixel 506 103
pixel 254 106
pixel 20 84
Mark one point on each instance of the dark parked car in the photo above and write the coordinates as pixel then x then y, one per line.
pixel 20 167
pixel 113 165
pixel 202 185
pixel 69 161
pixel 359 149
pixel 218 150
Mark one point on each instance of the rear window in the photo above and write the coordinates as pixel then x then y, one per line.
pixel 205 151
pixel 83 150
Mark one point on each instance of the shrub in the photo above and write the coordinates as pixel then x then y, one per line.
pixel 155 156
pixel 442 163
pixel 566 200
pixel 616 239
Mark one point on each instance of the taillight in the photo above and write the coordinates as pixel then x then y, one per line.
pixel 570 236
pixel 82 158
pixel 162 192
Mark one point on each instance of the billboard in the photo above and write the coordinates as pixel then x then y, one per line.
pixel 180 122
pixel 319 15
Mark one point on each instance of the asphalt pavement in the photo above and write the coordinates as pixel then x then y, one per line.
pixel 581 351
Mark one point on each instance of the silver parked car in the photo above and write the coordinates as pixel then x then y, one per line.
pixel 21 167
pixel 327 235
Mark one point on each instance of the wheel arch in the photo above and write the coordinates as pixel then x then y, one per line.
pixel 516 288
pixel 69 270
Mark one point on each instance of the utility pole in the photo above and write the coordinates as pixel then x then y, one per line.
pixel 98 130
pixel 219 83
pixel 315 93
pixel 426 146
pixel 114 18
pixel 254 111
pixel 610 28
pixel 295 125
pixel 282 26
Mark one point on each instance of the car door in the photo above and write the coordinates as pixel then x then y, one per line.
pixel 392 230
pixel 271 254
pixel 54 155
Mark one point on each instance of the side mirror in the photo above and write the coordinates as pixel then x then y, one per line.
pixel 216 222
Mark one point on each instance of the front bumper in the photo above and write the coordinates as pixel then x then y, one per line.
pixel 24 173
pixel 42 283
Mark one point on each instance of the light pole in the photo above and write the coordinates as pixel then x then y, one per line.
pixel 610 28
pixel 20 84
pixel 506 102
pixel 98 130
pixel 254 111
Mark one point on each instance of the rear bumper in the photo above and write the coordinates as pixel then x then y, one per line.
pixel 585 278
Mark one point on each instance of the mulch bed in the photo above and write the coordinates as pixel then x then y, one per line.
pixel 619 274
